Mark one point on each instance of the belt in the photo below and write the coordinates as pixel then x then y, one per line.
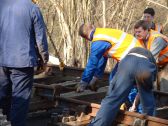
pixel 138 55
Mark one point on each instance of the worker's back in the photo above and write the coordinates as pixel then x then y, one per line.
pixel 121 42
pixel 17 35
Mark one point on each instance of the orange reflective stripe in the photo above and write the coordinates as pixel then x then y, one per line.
pixel 161 58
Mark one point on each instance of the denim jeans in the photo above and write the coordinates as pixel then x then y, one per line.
pixel 15 91
pixel 131 70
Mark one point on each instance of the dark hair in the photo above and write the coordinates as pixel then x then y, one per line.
pixel 149 11
pixel 143 24
pixel 84 30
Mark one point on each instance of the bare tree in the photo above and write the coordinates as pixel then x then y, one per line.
pixel 63 18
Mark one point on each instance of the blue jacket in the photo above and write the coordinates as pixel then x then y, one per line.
pixel 96 62
pixel 21 28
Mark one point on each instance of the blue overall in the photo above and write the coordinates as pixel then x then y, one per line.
pixel 22 29
pixel 15 90
pixel 131 70
pixel 132 94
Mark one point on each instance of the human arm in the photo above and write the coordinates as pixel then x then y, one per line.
pixel 101 67
pixel 93 84
pixel 40 34
pixel 99 70
pixel 135 104
pixel 98 49
pixel 157 45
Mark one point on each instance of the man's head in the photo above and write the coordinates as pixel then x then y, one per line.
pixel 141 30
pixel 34 1
pixel 148 15
pixel 85 30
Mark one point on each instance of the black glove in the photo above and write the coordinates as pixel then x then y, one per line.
pixel 93 85
pixel 81 86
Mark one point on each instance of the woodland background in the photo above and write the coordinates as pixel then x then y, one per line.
pixel 63 18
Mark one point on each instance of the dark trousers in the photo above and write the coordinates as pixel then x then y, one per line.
pixel 131 70
pixel 15 92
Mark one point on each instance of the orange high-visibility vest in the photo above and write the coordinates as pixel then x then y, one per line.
pixel 121 42
pixel 158 28
pixel 163 55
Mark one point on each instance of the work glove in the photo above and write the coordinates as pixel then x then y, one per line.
pixel 93 85
pixel 81 86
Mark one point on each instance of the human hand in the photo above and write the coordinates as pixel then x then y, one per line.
pixel 93 85
pixel 44 66
pixel 132 109
pixel 81 86
pixel 40 68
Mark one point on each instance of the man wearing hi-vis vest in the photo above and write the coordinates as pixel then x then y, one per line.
pixel 148 15
pixel 137 66
pixel 153 41
pixel 156 43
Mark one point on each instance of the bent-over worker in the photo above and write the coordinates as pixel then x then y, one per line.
pixel 137 66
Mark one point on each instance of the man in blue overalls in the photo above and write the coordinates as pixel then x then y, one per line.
pixel 22 35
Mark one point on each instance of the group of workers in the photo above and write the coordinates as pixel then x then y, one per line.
pixel 138 57
pixel 23 41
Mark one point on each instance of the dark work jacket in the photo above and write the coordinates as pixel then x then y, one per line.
pixel 21 28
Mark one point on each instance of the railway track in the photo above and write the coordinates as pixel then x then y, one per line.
pixel 54 93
